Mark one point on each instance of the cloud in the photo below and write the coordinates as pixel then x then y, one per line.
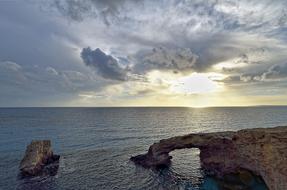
pixel 11 73
pixel 213 31
pixel 31 85
pixel 162 59
pixel 73 9
pixel 10 65
pixel 51 71
pixel 187 16
pixel 275 72
pixel 177 60
pixel 245 39
pixel 78 10
pixel 105 65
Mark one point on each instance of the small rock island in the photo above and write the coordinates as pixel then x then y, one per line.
pixel 38 155
pixel 263 151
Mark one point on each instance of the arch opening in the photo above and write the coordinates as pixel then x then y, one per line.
pixel 186 166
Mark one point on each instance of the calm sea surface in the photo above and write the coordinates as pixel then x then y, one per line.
pixel 95 144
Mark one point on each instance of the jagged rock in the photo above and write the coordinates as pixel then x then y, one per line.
pixel 38 155
pixel 262 151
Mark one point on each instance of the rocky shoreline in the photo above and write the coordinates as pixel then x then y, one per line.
pixel 262 151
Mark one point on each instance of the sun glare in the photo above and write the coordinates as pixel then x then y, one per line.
pixel 196 83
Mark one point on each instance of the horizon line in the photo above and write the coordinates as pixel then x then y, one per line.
pixel 195 107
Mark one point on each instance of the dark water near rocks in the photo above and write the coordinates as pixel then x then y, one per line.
pixel 96 144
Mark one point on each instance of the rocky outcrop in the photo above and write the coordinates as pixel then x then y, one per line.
pixel 38 155
pixel 262 151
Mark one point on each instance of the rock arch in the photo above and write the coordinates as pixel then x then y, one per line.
pixel 262 151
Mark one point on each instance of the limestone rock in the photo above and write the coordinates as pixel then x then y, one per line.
pixel 262 151
pixel 38 154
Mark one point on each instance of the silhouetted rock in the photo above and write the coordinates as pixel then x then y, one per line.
pixel 39 158
pixel 263 151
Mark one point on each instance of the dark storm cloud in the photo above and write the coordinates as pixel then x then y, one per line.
pixel 105 65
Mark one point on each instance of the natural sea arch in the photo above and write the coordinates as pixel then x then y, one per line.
pixel 247 153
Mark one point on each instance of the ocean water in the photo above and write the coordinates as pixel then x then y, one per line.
pixel 95 144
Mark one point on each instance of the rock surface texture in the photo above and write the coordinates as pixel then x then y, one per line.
pixel 262 151
pixel 38 155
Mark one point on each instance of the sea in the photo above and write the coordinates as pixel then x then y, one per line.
pixel 95 144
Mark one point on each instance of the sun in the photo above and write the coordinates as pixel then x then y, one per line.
pixel 196 83
pixel 193 83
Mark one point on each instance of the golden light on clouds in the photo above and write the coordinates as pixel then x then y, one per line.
pixel 166 88
pixel 162 89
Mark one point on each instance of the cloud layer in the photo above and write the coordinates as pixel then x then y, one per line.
pixel 127 51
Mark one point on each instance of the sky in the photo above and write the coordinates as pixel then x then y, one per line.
pixel 197 53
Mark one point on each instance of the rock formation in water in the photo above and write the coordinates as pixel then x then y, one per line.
pixel 262 151
pixel 38 155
